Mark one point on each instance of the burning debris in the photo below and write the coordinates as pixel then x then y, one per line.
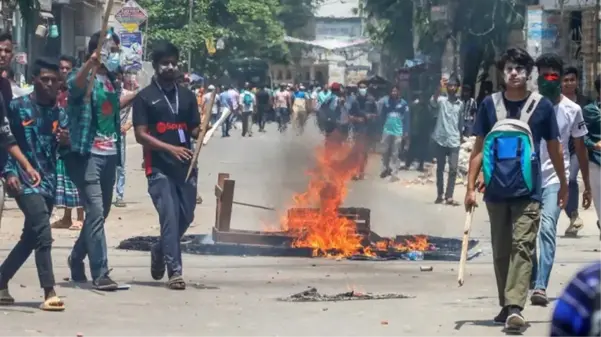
pixel 312 295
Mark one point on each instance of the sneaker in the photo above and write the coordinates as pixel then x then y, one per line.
pixel 105 283
pixel 515 320
pixel 78 271
pixel 539 298
pixel 120 203
pixel 385 173
pixel 576 225
pixel 501 317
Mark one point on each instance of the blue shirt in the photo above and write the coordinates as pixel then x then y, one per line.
pixel 301 94
pixel 225 100
pixel 543 125
pixel 396 117
pixel 577 309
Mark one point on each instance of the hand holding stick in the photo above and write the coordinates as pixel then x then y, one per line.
pixel 101 38
pixel 464 244
pixel 203 131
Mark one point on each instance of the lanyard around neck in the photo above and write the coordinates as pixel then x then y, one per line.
pixel 173 110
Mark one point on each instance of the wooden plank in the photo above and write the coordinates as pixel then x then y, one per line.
pixel 252 238
pixel 220 179
pixel 227 200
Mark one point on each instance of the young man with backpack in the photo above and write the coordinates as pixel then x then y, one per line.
pixel 247 108
pixel 571 126
pixel 509 129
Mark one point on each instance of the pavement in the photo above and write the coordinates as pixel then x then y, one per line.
pixel 239 295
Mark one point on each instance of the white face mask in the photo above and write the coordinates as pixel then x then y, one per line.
pixel 168 67
pixel 513 73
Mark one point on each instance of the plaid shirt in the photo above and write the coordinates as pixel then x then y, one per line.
pixel 34 128
pixel 82 115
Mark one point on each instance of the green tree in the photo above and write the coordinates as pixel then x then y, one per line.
pixel 249 28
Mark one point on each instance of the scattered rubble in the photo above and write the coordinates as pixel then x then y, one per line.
pixel 426 268
pixel 312 295
pixel 464 154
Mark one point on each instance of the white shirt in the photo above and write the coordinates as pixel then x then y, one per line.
pixel 207 100
pixel 245 107
pixel 570 124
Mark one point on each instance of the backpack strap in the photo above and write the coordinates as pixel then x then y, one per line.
pixel 500 109
pixel 530 106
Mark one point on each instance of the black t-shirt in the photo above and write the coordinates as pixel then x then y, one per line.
pixel 151 108
pixel 262 97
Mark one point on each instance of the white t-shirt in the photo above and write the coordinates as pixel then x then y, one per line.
pixel 207 100
pixel 570 124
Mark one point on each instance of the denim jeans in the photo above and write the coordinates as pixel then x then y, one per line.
pixel 120 186
pixel 283 117
pixel 442 153
pixel 225 127
pixel 175 201
pixel 36 236
pixel 94 177
pixel 546 244
pixel 572 205
pixel 390 157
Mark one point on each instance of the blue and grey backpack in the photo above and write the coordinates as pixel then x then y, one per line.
pixel 509 162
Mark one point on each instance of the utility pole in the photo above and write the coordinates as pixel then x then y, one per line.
pixel 596 40
pixel 190 8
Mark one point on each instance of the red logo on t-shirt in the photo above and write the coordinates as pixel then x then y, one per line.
pixel 107 108
pixel 163 127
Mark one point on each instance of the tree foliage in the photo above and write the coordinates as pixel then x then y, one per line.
pixel 249 28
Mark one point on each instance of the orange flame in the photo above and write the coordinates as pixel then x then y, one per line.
pixel 314 221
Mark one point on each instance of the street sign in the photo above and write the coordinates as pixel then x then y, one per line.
pixel 131 16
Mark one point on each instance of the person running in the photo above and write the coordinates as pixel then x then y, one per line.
pixel 592 120
pixel 94 155
pixel 281 104
pixel 38 123
pixel 513 205
pixel 66 195
pixel 247 104
pixel 447 138
pixel 165 117
pixel 569 88
pixel 225 104
pixel 397 120
pixel 571 126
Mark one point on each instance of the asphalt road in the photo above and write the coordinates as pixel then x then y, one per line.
pixel 239 295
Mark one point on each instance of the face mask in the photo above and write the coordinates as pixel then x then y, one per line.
pixel 362 91
pixel 549 86
pixel 113 62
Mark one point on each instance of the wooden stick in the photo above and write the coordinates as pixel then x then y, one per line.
pixel 203 129
pixel 101 38
pixel 464 244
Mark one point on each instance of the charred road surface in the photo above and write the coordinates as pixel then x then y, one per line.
pixel 241 295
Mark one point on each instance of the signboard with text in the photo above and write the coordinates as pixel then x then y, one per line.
pixel 131 16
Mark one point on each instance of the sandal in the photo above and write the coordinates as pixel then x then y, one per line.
pixel 76 226
pixel 5 298
pixel 61 224
pixel 176 282
pixel 53 303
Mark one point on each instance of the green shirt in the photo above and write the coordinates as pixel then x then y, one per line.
pixel 592 117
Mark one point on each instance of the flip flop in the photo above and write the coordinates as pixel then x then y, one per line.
pixel 5 298
pixel 60 224
pixel 452 202
pixel 53 303
pixel 176 283
pixel 76 226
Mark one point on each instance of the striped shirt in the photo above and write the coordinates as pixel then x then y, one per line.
pixel 577 311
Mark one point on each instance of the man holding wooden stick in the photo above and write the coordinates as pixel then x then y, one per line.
pixel 165 117
pixel 509 130
pixel 91 162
